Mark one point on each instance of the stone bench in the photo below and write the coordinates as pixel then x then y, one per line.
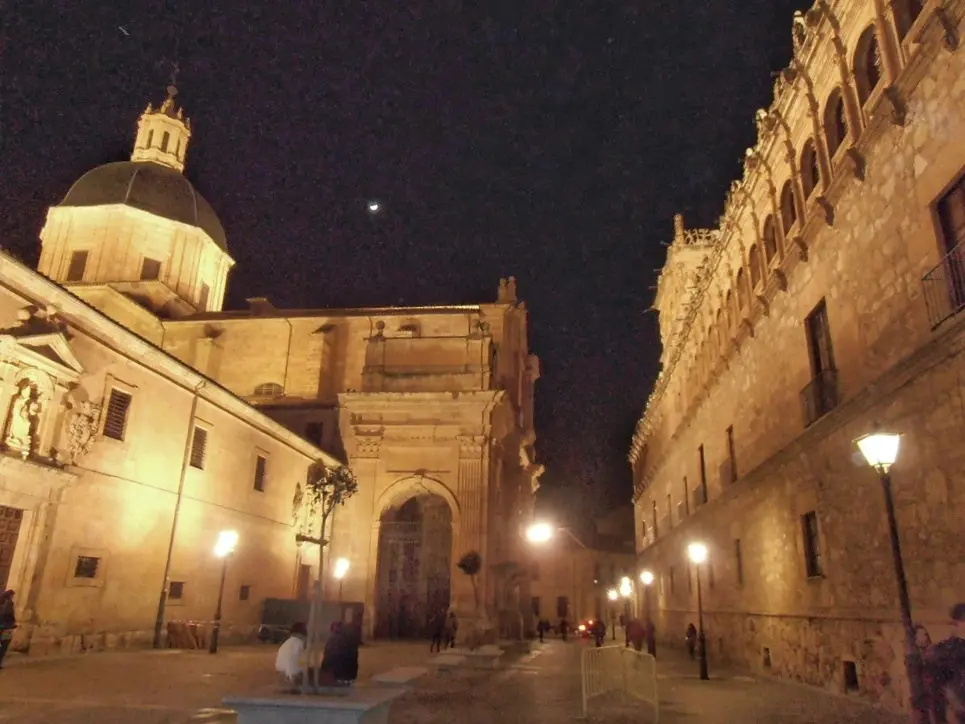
pixel 404 677
pixel 485 657
pixel 447 662
pixel 368 705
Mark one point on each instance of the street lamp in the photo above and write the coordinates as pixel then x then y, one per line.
pixel 646 578
pixel 539 533
pixel 880 450
pixel 697 552
pixel 227 541
pixel 626 590
pixel 341 568
pixel 613 596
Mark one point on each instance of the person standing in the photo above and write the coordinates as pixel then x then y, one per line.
pixel 8 622
pixel 945 666
pixel 691 640
pixel 452 627
pixel 438 626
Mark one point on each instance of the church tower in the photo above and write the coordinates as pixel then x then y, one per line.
pixel 138 231
pixel 163 134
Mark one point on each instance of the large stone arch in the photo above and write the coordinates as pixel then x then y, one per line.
pixel 415 521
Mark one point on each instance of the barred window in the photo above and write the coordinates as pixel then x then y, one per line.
pixel 260 462
pixel 199 444
pixel 115 421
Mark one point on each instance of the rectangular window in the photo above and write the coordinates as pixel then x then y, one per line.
pixel 260 462
pixel 951 217
pixel 671 580
pixel 150 269
pixel 535 603
pixel 686 497
pixel 653 520
pixel 313 433
pixel 86 567
pixel 812 544
pixel 562 606
pixel 703 474
pixel 731 453
pixel 244 593
pixel 115 421
pixel 78 265
pixel 176 590
pixel 739 562
pixel 819 340
pixel 203 297
pixel 669 510
pixel 199 444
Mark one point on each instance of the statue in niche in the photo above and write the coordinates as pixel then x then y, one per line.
pixel 82 430
pixel 297 501
pixel 22 420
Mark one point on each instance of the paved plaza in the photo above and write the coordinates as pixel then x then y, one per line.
pixel 181 687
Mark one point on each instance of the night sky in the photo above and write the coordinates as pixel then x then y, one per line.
pixel 548 140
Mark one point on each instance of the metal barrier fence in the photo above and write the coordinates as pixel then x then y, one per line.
pixel 617 668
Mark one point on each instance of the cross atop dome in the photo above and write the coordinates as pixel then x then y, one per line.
pixel 163 134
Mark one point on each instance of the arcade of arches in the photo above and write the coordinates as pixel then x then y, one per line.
pixel 413 566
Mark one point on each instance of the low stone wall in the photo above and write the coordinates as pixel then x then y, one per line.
pixel 808 650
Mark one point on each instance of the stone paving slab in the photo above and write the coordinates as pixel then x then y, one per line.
pixel 538 688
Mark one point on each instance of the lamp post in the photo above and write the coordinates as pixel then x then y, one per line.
pixel 341 568
pixel 626 590
pixel 697 552
pixel 227 540
pixel 880 450
pixel 646 578
pixel 613 596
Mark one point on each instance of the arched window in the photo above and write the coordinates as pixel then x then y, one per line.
pixel 835 122
pixel 770 239
pixel 906 12
pixel 730 311
pixel 788 212
pixel 867 64
pixel 755 260
pixel 810 173
pixel 150 138
pixel 741 290
pixel 269 389
pixel 165 140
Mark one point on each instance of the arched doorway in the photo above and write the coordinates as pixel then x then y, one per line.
pixel 413 569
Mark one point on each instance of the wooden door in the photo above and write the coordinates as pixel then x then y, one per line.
pixel 9 532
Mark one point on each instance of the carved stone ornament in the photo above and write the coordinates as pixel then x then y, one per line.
pixel 82 431
pixel 21 428
pixel 297 501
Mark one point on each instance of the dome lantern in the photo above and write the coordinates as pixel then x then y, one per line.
pixel 163 134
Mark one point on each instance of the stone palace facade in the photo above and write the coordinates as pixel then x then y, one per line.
pixel 828 301
pixel 139 420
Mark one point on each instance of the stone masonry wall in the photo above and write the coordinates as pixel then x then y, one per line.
pixel 866 261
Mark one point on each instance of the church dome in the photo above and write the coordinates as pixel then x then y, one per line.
pixel 151 187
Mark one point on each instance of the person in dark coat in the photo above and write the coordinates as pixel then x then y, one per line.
pixel 437 626
pixel 8 622
pixel 691 640
pixel 341 658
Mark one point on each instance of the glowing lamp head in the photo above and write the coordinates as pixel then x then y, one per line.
pixel 646 578
pixel 341 568
pixel 880 449
pixel 697 553
pixel 539 533
pixel 582 627
pixel 227 541
pixel 612 594
pixel 626 587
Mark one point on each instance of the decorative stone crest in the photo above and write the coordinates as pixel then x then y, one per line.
pixel 21 427
pixel 367 445
pixel 82 431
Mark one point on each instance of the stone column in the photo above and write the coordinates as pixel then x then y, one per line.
pixel 471 534
pixel 363 460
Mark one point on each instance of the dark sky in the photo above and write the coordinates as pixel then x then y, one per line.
pixel 549 140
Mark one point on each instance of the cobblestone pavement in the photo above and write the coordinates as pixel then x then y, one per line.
pixel 541 688
pixel 155 687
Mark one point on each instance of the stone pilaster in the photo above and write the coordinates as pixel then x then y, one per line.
pixel 471 535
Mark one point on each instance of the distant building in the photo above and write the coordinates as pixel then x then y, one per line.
pixel 140 419
pixel 827 301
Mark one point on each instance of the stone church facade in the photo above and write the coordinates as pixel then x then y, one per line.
pixel 432 408
pixel 827 301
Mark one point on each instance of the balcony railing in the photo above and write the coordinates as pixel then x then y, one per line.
pixel 820 396
pixel 944 287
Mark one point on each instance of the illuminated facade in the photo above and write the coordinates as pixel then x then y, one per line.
pixel 827 300
pixel 128 395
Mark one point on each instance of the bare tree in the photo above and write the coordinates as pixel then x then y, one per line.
pixel 326 489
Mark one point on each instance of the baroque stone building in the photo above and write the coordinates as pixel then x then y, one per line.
pixel 432 407
pixel 827 301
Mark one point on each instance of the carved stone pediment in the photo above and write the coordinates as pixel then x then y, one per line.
pixel 50 352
